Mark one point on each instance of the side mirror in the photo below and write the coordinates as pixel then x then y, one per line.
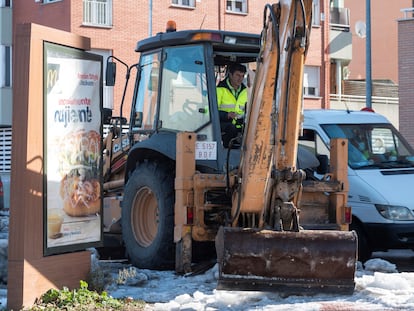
pixel 323 167
pixel 110 73
pixel 138 119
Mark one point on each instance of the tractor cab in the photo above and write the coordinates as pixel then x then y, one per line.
pixel 175 90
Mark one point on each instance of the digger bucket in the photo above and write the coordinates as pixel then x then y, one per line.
pixel 301 263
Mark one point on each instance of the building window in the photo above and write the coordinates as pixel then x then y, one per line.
pixel 236 6
pixel 50 1
pixel 311 81
pixel 5 3
pixel 97 13
pixel 186 3
pixel 5 71
pixel 316 13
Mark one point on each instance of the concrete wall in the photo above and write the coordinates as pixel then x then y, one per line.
pixel 390 111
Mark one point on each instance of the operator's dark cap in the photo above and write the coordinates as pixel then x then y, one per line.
pixel 237 66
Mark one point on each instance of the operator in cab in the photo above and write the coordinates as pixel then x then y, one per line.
pixel 232 100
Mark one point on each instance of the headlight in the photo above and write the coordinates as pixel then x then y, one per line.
pixel 394 212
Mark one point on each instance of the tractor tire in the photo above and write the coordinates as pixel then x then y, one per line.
pixel 148 216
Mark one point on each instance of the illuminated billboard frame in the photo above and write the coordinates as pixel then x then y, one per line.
pixel 73 200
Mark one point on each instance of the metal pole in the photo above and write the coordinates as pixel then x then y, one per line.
pixel 339 78
pixel 368 78
pixel 150 19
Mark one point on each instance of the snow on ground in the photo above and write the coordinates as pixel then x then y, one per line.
pixel 379 286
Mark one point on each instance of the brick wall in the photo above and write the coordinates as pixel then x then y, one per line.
pixel 131 23
pixel 55 15
pixel 406 77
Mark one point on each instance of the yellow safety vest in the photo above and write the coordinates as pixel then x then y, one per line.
pixel 231 100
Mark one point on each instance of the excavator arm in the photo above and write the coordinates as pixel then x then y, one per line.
pixel 268 166
pixel 264 247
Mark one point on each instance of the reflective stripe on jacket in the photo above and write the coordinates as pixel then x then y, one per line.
pixel 230 102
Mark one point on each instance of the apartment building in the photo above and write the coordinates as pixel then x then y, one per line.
pixel 384 38
pixel 6 43
pixel 115 26
pixel 382 29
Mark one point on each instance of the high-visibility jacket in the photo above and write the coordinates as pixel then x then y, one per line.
pixel 231 100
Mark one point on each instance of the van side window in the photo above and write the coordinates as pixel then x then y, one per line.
pixel 311 143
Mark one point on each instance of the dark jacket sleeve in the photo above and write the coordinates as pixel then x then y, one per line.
pixel 224 116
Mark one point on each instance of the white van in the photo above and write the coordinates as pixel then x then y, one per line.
pixel 380 175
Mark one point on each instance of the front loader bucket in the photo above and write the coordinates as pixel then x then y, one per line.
pixel 300 263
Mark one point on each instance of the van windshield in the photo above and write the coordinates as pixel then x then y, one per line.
pixel 373 145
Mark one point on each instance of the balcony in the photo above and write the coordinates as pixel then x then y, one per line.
pixel 340 37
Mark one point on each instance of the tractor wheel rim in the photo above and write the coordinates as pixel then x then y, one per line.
pixel 144 217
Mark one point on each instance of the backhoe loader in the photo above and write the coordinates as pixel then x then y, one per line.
pixel 179 187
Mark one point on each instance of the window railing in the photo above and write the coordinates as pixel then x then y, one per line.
pixel 97 12
pixel 408 13
pixel 362 99
pixel 339 18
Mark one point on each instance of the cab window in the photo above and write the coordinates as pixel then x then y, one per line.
pixel 184 99
pixel 147 94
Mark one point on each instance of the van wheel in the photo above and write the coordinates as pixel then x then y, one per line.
pixel 148 216
pixel 364 250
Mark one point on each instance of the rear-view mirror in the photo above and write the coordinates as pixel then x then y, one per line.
pixel 110 73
